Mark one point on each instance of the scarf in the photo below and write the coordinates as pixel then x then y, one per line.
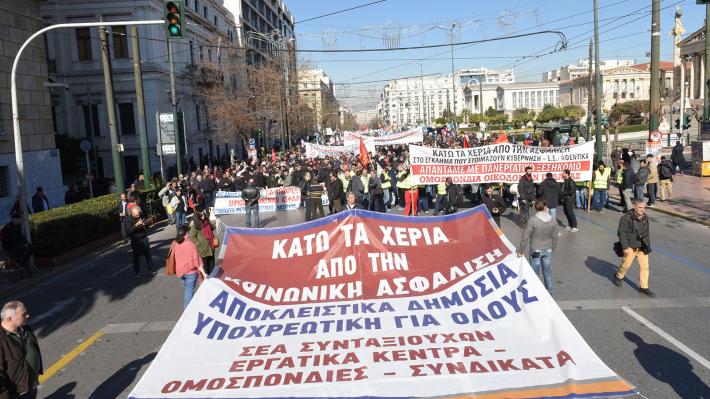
pixel 207 231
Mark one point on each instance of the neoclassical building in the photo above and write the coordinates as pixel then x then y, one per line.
pixel 692 54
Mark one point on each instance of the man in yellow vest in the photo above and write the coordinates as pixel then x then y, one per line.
pixel 386 186
pixel 440 195
pixel 600 183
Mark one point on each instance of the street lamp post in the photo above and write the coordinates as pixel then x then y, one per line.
pixel 453 73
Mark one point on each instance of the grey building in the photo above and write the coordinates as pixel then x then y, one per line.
pixel 18 20
pixel 74 58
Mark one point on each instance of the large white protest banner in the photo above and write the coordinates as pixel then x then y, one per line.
pixel 270 200
pixel 407 137
pixel 369 305
pixel 499 163
pixel 322 151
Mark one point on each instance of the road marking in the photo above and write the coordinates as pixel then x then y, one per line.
pixel 704 362
pixel 54 309
pixel 66 359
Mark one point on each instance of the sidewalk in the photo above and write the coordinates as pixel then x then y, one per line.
pixel 691 199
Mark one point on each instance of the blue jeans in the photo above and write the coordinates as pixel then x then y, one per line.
pixel 581 197
pixel 599 199
pixel 180 219
pixel 189 281
pixel 255 209
pixel 638 193
pixel 545 259
pixel 553 213
pixel 386 198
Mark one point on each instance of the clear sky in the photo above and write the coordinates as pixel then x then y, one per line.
pixel 624 27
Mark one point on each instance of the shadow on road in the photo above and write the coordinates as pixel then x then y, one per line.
pixel 670 367
pixel 112 279
pixel 606 269
pixel 121 379
pixel 64 392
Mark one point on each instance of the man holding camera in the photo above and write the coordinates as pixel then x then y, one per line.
pixel 635 239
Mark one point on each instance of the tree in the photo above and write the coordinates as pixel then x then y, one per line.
pixel 574 112
pixel 550 113
pixel 629 113
pixel 376 123
pixel 522 116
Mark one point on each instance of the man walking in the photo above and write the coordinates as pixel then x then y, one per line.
pixel 635 240
pixel 138 230
pixel 123 216
pixel 550 191
pixel 335 192
pixel 677 157
pixel 20 356
pixel 641 179
pixel 652 182
pixel 251 195
pixel 600 183
pixel 526 195
pixel 627 186
pixel 665 176
pixel 568 192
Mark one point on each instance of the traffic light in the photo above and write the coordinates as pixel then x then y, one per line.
pixel 605 121
pixel 174 19
pixel 686 121
pixel 677 123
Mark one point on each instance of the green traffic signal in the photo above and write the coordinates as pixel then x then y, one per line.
pixel 174 19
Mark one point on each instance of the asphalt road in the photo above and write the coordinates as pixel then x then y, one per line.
pixel 99 326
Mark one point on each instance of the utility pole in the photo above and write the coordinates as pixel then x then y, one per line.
pixel 173 103
pixel 597 84
pixel 143 134
pixel 589 93
pixel 453 79
pixel 111 111
pixel 655 103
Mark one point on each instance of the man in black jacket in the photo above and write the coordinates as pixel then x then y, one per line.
pixel 627 186
pixel 635 239
pixel 550 191
pixel 569 188
pixel 251 195
pixel 39 201
pixel 494 202
pixel 335 192
pixel 20 356
pixel 138 230
pixel 640 179
pixel 677 157
pixel 526 195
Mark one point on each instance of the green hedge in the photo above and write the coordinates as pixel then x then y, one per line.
pixel 59 230
pixel 631 128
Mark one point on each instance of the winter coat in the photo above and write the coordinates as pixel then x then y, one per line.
pixel 526 189
pixel 677 156
pixel 569 189
pixel 652 172
pixel 665 170
pixel 357 187
pixel 633 231
pixel 627 182
pixel 335 190
pixel 492 202
pixel 641 177
pixel 251 195
pixel 550 191
pixel 540 233
pixel 15 372
pixel 204 247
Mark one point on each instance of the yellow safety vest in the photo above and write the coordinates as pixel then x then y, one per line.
pixel 403 184
pixel 365 182
pixel 386 181
pixel 601 181
pixel 441 188
pixel 619 175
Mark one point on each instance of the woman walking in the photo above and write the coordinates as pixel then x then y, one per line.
pixel 202 235
pixel 188 263
pixel 541 235
pixel 179 204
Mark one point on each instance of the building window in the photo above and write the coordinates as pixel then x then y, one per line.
pixel 527 99
pixel 197 5
pixel 204 11
pixel 83 44
pixel 539 99
pixel 215 20
pixel 202 54
pixel 120 42
pixel 4 181
pixel 197 117
pixel 545 100
pixel 128 123
pixel 515 100
pixel 633 86
pixel 88 116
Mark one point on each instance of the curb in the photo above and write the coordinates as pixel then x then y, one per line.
pixel 24 284
pixel 704 222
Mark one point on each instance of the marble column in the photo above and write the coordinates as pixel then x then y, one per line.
pixel 691 77
pixel 701 83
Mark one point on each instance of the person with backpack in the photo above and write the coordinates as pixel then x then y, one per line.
pixel 635 241
pixel 665 176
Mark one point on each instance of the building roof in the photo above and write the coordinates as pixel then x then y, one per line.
pixel 663 65
pixel 524 85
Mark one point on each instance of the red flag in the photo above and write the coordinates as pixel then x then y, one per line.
pixel 503 138
pixel 465 142
pixel 273 156
pixel 364 155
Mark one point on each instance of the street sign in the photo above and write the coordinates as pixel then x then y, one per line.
pixel 85 145
pixel 166 129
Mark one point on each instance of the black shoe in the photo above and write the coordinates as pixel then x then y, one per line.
pixel 647 292
pixel 153 272
pixel 618 282
pixel 137 275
